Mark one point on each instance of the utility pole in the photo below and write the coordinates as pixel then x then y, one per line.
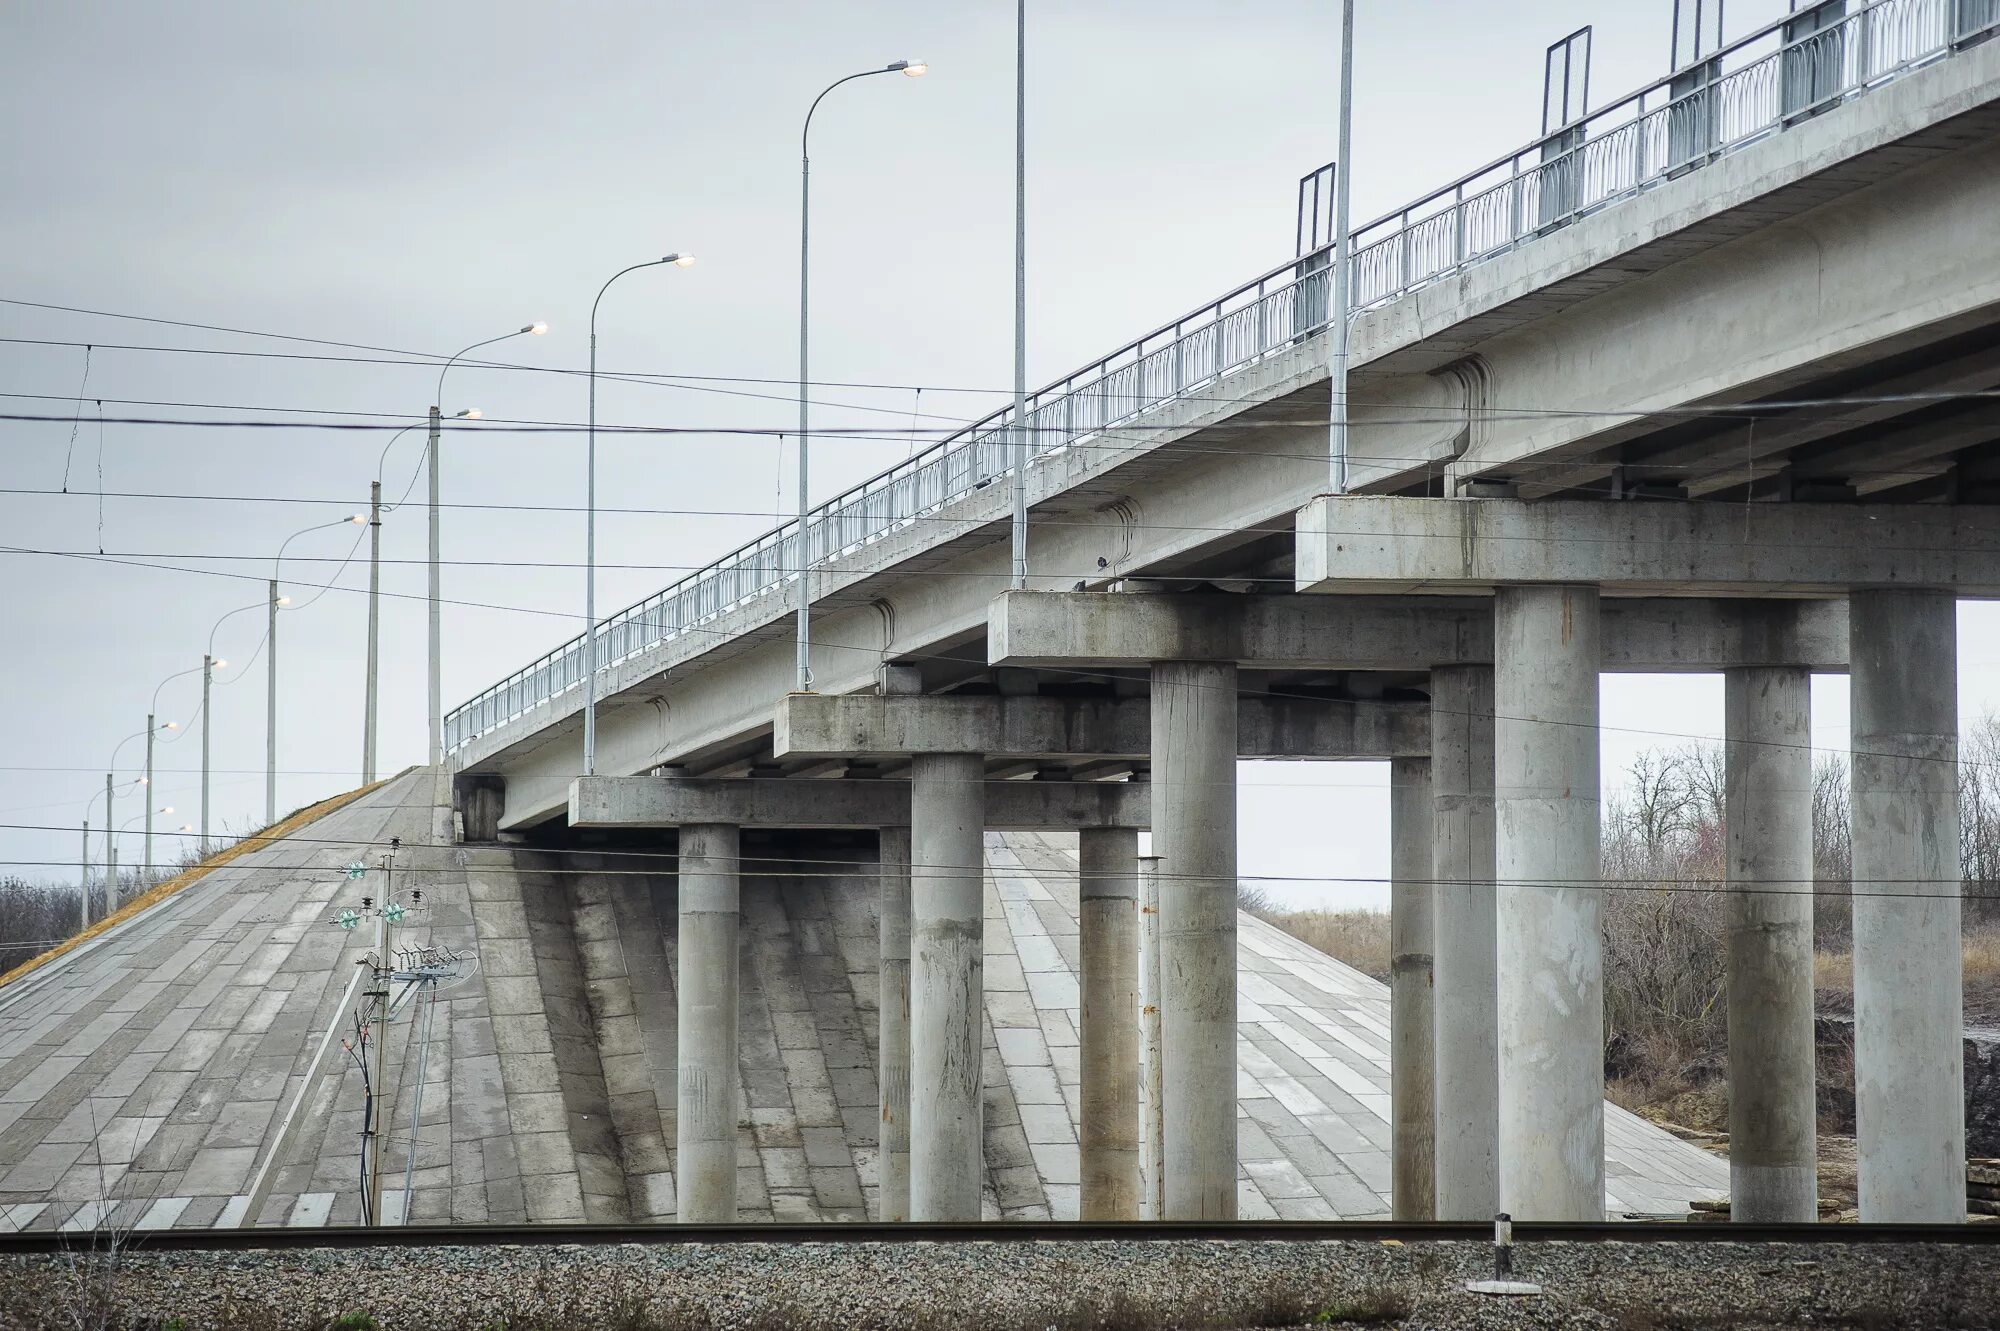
pixel 436 624
pixel 1023 438
pixel 271 709
pixel 83 875
pixel 380 1105
pixel 374 628
pixel 146 877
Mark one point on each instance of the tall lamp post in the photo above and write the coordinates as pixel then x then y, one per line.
pixel 151 712
pixel 435 603
pixel 1342 259
pixel 1024 441
pixel 913 69
pixel 210 663
pixel 110 815
pixel 679 260
pixel 273 603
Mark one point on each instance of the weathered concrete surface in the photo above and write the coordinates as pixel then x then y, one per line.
pixel 947 867
pixel 1194 812
pixel 1412 1029
pixel 710 906
pixel 1548 907
pixel 664 801
pixel 1380 544
pixel 138 1073
pixel 1736 249
pixel 1667 635
pixel 1908 1004
pixel 1773 1137
pixel 1466 998
pixel 1108 1023
pixel 1054 728
pixel 893 1038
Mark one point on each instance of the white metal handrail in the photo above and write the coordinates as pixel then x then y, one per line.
pixel 1758 85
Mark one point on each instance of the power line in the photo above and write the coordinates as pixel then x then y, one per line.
pixel 1069 672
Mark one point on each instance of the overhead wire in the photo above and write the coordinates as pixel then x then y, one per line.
pixel 1069 672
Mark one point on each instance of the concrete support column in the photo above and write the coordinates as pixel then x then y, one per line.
pixel 893 1042
pixel 1908 1006
pixel 1108 918
pixel 1412 1043
pixel 947 938
pixel 1466 996
pixel 1194 834
pixel 1773 1147
pixel 705 1133
pixel 1549 908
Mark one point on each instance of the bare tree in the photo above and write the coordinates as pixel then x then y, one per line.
pixel 1833 851
pixel 1979 818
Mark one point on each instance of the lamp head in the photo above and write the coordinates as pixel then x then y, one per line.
pixel 185 827
pixel 359 519
pixel 470 414
pixel 537 328
pixel 679 260
pixel 218 664
pixel 171 725
pixel 284 600
pixel 913 69
pixel 142 781
pixel 166 808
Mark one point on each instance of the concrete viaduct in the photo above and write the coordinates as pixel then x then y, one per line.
pixel 1724 406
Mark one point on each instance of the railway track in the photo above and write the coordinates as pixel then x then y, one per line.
pixel 1013 1231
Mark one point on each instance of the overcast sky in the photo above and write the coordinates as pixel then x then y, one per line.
pixel 422 176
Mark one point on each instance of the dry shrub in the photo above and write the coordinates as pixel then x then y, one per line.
pixel 1360 938
pixel 1833 972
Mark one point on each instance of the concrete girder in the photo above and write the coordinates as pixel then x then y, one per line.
pixel 1379 544
pixel 814 725
pixel 1649 636
pixel 677 801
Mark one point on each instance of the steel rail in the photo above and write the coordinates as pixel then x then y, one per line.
pixel 31 1242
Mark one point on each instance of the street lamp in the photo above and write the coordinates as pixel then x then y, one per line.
pixel 110 818
pixel 274 602
pixel 436 695
pixel 110 859
pixel 210 663
pixel 912 69
pixel 151 712
pixel 590 523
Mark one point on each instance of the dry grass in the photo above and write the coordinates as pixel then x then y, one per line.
pixel 1833 977
pixel 1358 937
pixel 188 877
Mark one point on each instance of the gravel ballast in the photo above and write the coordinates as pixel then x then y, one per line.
pixel 1011 1286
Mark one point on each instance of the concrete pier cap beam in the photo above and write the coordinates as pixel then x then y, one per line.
pixel 1377 543
pixel 668 801
pixel 1645 635
pixel 1056 729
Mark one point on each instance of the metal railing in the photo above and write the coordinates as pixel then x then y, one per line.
pixel 1756 86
